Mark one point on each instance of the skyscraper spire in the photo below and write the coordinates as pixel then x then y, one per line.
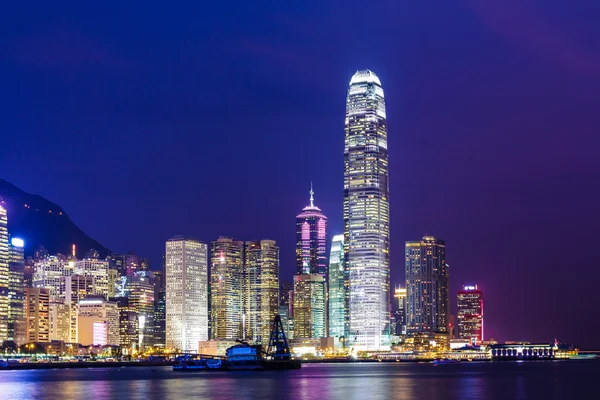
pixel 312 199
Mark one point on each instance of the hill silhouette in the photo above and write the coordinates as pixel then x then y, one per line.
pixel 40 222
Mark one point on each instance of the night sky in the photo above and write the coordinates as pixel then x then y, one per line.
pixel 148 119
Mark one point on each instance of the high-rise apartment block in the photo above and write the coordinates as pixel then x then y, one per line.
pixel 470 314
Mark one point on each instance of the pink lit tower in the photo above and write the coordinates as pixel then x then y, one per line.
pixel 311 240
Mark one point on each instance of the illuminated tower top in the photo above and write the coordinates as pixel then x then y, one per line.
pixel 311 239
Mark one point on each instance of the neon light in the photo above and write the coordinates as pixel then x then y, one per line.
pixel 17 242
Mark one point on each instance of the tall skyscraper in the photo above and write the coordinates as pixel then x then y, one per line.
pixel 140 289
pixel 4 274
pixel 338 289
pixel 309 306
pixel 427 286
pixel 37 317
pixel 400 310
pixel 186 293
pixel 470 314
pixel 366 210
pixel 16 290
pixel 226 288
pixel 311 240
pixel 262 288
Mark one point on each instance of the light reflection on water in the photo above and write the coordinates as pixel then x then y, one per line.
pixel 535 380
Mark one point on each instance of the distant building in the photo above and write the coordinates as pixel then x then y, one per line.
pixel 96 268
pixel 338 289
pixel 97 322
pixel 49 270
pixel 309 306
pixel 186 293
pixel 262 288
pixel 226 288
pixel 470 314
pixel 427 286
pixel 16 291
pixel 400 310
pixel 59 317
pixel 140 289
pixel 311 240
pixel 128 324
pixel 37 307
pixel 4 274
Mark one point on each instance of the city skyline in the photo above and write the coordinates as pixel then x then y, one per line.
pixel 206 122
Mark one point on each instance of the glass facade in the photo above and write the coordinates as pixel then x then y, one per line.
pixel 338 289
pixel 400 310
pixel 311 240
pixel 186 294
pixel 16 291
pixel 427 286
pixel 366 210
pixel 226 288
pixel 309 306
pixel 261 289
pixel 470 314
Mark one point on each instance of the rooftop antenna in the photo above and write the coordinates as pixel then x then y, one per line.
pixel 312 200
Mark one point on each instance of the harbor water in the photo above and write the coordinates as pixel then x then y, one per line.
pixel 361 381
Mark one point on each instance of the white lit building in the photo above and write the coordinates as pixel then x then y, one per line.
pixel 366 211
pixel 96 268
pixel 186 294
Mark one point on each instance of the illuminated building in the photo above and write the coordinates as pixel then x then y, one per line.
pixel 366 210
pixel 400 310
pixel 49 270
pixel 262 288
pixel 226 288
pixel 98 269
pixel 37 318
pixel 427 286
pixel 311 240
pixel 309 306
pixel 470 314
pixel 338 289
pixel 16 290
pixel 76 287
pixel 158 337
pixel 128 323
pixel 59 317
pixel 186 293
pixel 141 299
pixel 4 274
pixel 97 322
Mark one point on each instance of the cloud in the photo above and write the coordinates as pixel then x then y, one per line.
pixel 526 28
pixel 61 50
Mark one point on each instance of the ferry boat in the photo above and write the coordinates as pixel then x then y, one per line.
pixel 582 357
pixel 245 357
pixel 188 364
pixel 442 361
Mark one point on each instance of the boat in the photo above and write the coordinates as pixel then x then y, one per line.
pixel 188 364
pixel 244 356
pixel 214 363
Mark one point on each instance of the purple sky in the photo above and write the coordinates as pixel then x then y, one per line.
pixel 145 119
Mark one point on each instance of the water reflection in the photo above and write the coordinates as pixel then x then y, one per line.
pixel 318 381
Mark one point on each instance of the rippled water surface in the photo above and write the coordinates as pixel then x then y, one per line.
pixel 508 380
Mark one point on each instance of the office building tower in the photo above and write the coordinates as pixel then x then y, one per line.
pixel 49 270
pixel 338 289
pixel 311 240
pixel 262 288
pixel 141 299
pixel 309 306
pixel 366 210
pixel 226 288
pixel 158 337
pixel 285 292
pixel 59 320
pixel 427 286
pixel 4 274
pixel 470 314
pixel 96 268
pixel 97 322
pixel 400 310
pixel 186 294
pixel 37 307
pixel 128 324
pixel 16 290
